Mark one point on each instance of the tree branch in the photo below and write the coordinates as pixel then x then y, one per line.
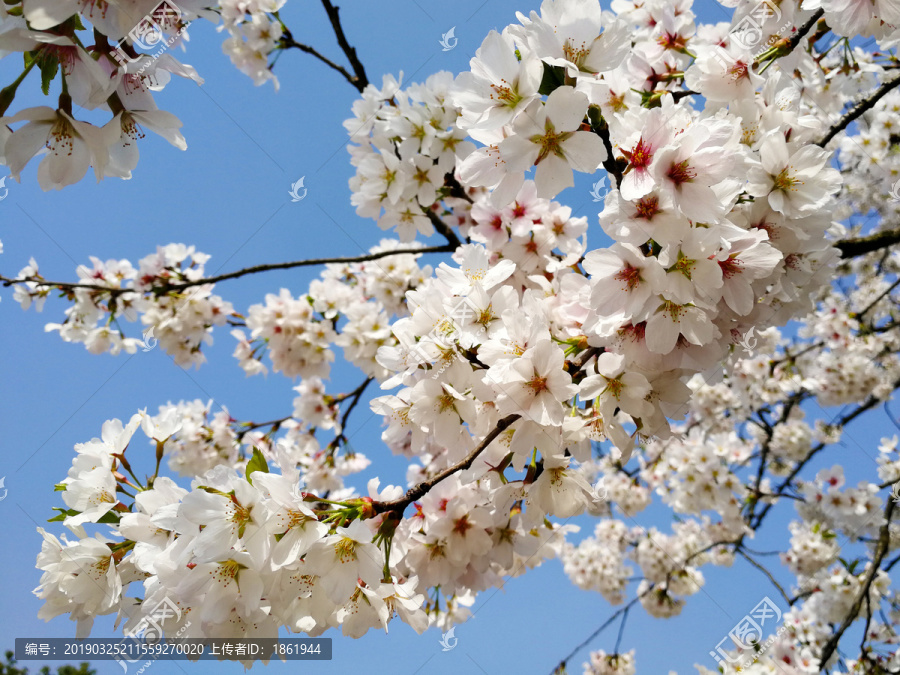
pixel 360 80
pixel 355 395
pixel 764 571
pixel 881 550
pixel 562 664
pixel 853 248
pixel 175 286
pixel 247 427
pixel 863 106
pixel 795 38
pixel 288 42
pixel 444 230
pixel 420 490
pixel 611 164
pixel 873 401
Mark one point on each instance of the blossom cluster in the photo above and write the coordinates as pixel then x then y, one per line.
pixel 252 551
pixel 530 378
pixel 130 59
pixel 176 312
pixel 350 305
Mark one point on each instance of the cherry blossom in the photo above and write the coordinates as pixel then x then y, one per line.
pixel 703 358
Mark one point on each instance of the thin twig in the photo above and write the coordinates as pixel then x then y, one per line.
pixel 862 107
pixel 754 522
pixel 247 427
pixel 356 394
pixel 360 80
pixel 881 550
pixel 288 42
pixel 768 574
pixel 604 626
pixel 420 490
pixel 175 286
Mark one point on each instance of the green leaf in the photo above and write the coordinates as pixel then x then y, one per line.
pixel 554 76
pixel 256 463
pixel 110 517
pixel 49 68
pixel 59 487
pixel 62 515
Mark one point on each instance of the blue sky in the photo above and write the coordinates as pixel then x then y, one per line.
pixel 228 195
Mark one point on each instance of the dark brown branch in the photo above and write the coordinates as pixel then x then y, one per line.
pixel 355 395
pixel 842 422
pixel 766 447
pixel 562 664
pixel 178 285
pixel 611 164
pixel 420 490
pixel 881 549
pixel 801 32
pixel 288 42
pixel 862 107
pixel 444 230
pixel 881 297
pixel 853 248
pixel 892 563
pixel 247 427
pixel 456 190
pixel 762 569
pixel 360 80
pixel 683 93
